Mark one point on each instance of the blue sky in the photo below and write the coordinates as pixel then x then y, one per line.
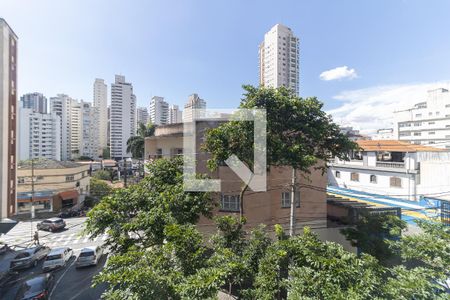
pixel 398 49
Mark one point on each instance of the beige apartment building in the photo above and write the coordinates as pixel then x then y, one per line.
pixel 57 185
pixel 270 207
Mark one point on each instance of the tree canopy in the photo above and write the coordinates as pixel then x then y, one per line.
pixel 136 144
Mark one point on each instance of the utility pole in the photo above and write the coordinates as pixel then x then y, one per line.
pixel 293 204
pixel 32 199
pixel 125 177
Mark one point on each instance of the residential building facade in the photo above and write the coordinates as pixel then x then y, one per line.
pixel 279 59
pixel 394 168
pixel 39 135
pixel 142 115
pixel 122 117
pixel 8 119
pixel 57 185
pixel 270 207
pixel 36 101
pixel 159 111
pixel 175 114
pixel 426 123
pixel 194 108
pixel 101 102
pixel 384 134
pixel 90 140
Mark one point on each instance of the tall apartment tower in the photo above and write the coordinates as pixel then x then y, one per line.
pixel 175 114
pixel 89 142
pixel 101 102
pixel 123 117
pixel 159 111
pixel 8 120
pixel 193 108
pixel 35 101
pixel 427 122
pixel 63 106
pixel 40 135
pixel 142 115
pixel 279 59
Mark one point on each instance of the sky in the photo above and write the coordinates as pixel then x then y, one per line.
pixel 362 59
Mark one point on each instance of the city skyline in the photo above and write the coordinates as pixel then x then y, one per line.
pixel 348 58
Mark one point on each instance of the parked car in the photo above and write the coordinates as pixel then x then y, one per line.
pixel 57 258
pixel 52 224
pixel 29 257
pixel 37 287
pixel 89 256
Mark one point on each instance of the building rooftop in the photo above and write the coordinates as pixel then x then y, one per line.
pixel 47 164
pixel 395 146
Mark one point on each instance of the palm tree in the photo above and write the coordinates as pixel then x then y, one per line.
pixel 135 144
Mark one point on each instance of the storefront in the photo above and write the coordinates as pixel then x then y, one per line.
pixel 42 201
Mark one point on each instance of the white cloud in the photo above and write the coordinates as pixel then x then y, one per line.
pixel 338 73
pixel 372 108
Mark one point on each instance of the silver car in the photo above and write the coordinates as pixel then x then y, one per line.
pixel 52 224
pixel 89 256
pixel 29 257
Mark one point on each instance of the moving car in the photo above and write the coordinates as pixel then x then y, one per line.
pixel 29 257
pixel 89 256
pixel 52 224
pixel 37 287
pixel 57 258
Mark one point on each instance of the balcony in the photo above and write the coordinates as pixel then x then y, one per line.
pixel 391 164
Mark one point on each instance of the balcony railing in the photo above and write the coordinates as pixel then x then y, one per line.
pixel 391 164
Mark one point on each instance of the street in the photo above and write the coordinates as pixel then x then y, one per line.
pixel 70 282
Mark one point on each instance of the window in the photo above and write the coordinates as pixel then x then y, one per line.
pixel 158 153
pixel 286 199
pixel 230 203
pixel 431 132
pixel 373 179
pixel 430 123
pixel 338 174
pixel 430 113
pixel 21 180
pixel 354 177
pixel 40 177
pixel 417 123
pixel 396 182
pixel 70 178
pixel 417 134
pixel 418 115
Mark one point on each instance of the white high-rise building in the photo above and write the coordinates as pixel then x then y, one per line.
pixel 175 114
pixel 279 59
pixel 142 115
pixel 101 102
pixel 122 117
pixel 427 122
pixel 193 108
pixel 40 135
pixel 79 129
pixel 159 111
pixel 89 142
pixel 35 101
pixel 8 120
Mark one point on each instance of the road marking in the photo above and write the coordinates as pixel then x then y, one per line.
pixel 60 278
pixel 69 238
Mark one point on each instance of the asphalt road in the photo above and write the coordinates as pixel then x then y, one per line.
pixel 70 283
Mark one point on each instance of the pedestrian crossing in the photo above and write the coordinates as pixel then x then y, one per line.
pixel 22 235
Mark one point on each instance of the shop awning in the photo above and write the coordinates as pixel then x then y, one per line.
pixel 68 195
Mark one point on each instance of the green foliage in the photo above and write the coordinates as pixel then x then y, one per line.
pixel 102 174
pixel 299 132
pixel 99 188
pixel 106 154
pixel 136 144
pixel 372 234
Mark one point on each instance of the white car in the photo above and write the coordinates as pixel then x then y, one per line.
pixel 89 256
pixel 57 258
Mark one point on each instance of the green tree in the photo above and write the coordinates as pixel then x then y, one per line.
pixel 299 133
pixel 106 153
pixel 136 144
pixel 136 216
pixel 372 234
pixel 102 174
pixel 99 188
